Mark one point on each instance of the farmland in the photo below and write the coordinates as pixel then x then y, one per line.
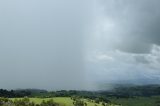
pixel 137 101
pixel 148 95
pixel 64 101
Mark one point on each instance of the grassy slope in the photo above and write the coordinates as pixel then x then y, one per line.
pixel 138 101
pixel 63 100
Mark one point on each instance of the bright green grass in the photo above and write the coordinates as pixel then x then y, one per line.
pixel 67 101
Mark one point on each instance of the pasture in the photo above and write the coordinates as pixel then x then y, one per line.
pixel 66 101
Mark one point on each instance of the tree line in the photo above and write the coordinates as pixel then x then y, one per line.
pixel 14 93
pixel 119 92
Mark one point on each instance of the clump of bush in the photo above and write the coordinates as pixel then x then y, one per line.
pixel 77 101
pixel 49 103
pixel 26 102
pixel 5 102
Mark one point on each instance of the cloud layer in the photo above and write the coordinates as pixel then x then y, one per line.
pixel 75 44
pixel 124 45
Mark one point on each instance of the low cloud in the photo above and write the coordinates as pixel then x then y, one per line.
pixel 120 67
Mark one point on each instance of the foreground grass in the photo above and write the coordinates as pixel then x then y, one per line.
pixel 137 101
pixel 67 101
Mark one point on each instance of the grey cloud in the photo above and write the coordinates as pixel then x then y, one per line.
pixel 46 44
pixel 42 43
pixel 125 41
pixel 136 23
pixel 141 59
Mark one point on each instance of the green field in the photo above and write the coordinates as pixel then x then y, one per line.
pixel 136 101
pixel 67 101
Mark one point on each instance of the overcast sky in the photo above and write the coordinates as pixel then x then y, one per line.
pixel 68 44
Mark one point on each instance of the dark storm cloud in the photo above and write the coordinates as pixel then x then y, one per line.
pixel 124 46
pixel 136 22
pixel 41 43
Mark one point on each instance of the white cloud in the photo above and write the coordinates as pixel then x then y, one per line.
pixel 118 66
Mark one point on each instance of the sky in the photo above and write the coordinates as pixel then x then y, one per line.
pixel 78 44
